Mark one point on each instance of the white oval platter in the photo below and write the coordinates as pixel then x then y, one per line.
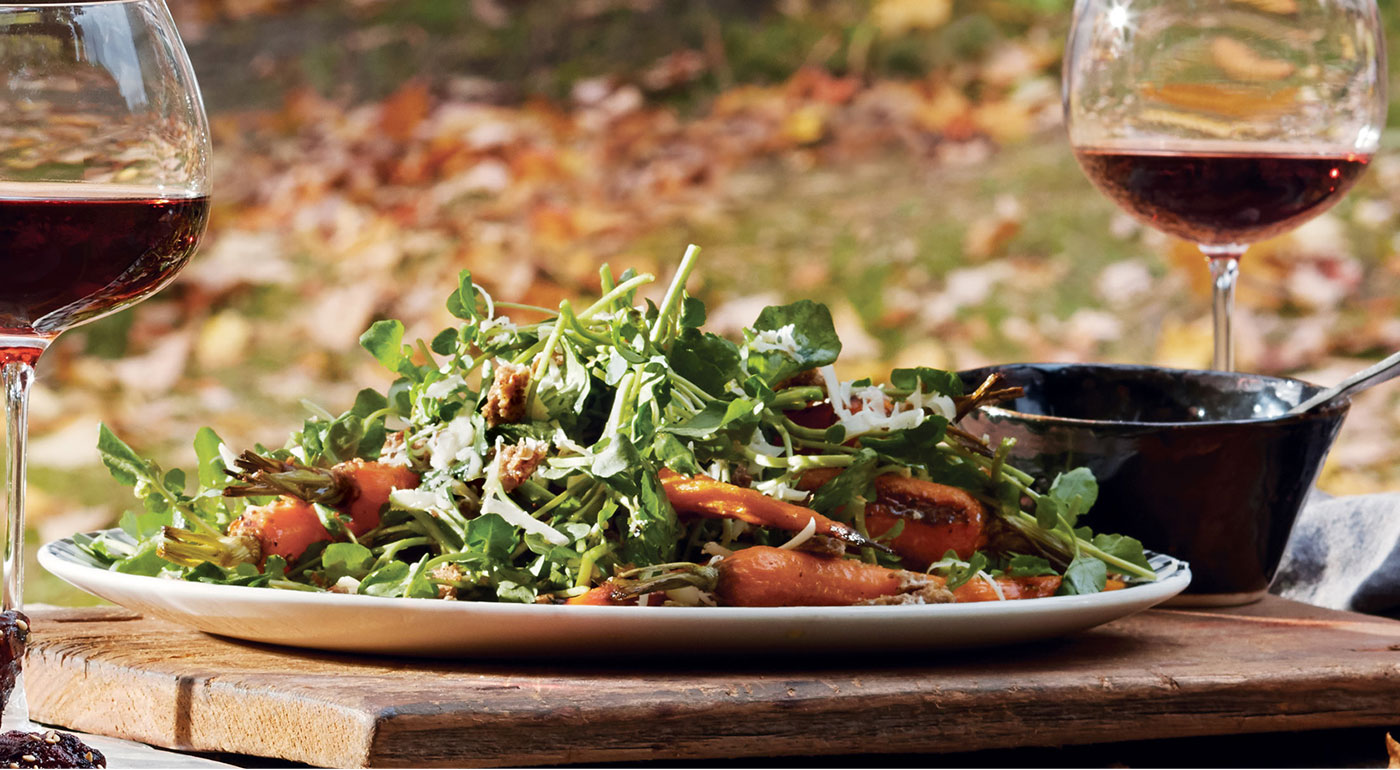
pixel 453 629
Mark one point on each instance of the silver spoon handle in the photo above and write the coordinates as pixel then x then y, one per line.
pixel 1368 377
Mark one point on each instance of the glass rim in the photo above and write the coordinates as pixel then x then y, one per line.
pixel 6 5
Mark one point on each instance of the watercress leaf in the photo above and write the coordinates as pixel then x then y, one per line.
pixel 857 480
pixel 445 342
pixel 346 559
pixel 331 519
pixel 389 580
pixel 1084 575
pixel 835 434
pixel 1126 548
pixel 419 585
pixel 367 402
pixel 1027 565
pixel 511 591
pixel 708 360
pixel 717 416
pixel 142 524
pixel 912 446
pixel 1076 492
pixel 692 313
pixel 462 302
pixel 813 332
pixel 958 574
pixel 613 457
pixel 928 380
pixel 652 526
pixel 1048 511
pixel 384 341
pixel 670 452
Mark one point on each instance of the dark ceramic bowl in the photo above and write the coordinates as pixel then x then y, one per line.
pixel 1200 465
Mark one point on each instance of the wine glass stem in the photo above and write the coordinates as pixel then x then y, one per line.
pixel 17 373
pixel 1224 269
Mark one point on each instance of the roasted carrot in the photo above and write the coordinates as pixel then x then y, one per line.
pixel 703 496
pixel 606 593
pixel 357 489
pixel 285 527
pixel 370 484
pixel 937 519
pixel 979 590
pixel 762 576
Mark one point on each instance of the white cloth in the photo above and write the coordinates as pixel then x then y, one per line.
pixel 1344 554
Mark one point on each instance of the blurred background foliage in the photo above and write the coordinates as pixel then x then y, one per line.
pixel 901 160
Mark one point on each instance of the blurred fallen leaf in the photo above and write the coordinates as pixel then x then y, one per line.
pixel 1273 6
pixel 805 125
pixel 1185 344
pixel 1241 62
pixel 1224 100
pixel 898 17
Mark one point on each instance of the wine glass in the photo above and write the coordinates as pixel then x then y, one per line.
pixel 1224 122
pixel 104 184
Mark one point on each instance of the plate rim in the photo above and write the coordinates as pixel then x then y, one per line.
pixel 1174 575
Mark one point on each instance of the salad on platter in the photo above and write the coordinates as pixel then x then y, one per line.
pixel 619 454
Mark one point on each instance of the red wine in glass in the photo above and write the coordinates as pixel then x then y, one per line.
pixel 1221 197
pixel 71 253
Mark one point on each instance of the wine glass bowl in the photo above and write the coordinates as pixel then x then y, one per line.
pixel 104 155
pixel 104 186
pixel 1225 122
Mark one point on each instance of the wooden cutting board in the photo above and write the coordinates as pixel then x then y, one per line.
pixel 1277 665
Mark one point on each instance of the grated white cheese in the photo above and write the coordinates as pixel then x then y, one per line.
pixel 418 500
pixel 780 340
pixel 803 536
pixel 498 322
pixel 779 490
pixel 996 588
pixel 498 503
pixel 346 585
pixel 445 386
pixel 227 455
pixel 876 413
pixel 760 445
pixel 453 445
pixel 562 440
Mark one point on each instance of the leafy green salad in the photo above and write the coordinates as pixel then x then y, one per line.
pixel 619 453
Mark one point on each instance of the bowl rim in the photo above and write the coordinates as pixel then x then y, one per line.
pixel 1336 408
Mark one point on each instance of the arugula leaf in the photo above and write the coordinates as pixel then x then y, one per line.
pixel 813 331
pixel 491 536
pixel 122 462
pixel 212 472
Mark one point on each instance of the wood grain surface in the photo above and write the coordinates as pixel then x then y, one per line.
pixel 1277 665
